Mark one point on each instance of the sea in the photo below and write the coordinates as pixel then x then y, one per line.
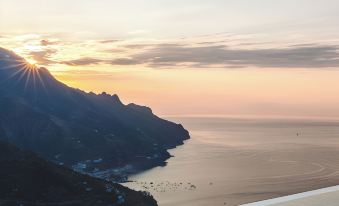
pixel 236 160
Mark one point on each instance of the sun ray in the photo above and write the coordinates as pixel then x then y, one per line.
pixel 22 74
pixel 13 65
pixel 21 71
pixel 40 79
pixel 21 68
pixel 28 77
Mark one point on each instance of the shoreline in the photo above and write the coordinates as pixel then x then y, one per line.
pixel 122 173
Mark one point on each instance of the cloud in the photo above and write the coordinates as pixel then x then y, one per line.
pixel 45 42
pixel 206 52
pixel 311 56
pixel 124 61
pixel 221 56
pixel 82 61
pixel 114 50
pixel 93 61
pixel 138 46
pixel 43 57
pixel 109 41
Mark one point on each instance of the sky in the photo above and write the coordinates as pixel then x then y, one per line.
pixel 185 57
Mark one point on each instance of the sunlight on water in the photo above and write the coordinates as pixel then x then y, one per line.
pixel 229 161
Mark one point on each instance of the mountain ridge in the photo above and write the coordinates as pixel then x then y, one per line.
pixel 69 126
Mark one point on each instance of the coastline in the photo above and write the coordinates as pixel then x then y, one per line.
pixel 121 173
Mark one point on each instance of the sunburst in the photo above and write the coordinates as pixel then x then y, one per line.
pixel 26 73
pixel 31 61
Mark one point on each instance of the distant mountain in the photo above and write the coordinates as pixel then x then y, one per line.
pixel 28 180
pixel 72 127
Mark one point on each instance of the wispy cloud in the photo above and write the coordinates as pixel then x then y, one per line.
pixel 178 55
pixel 46 42
pixel 82 61
pixel 201 52
pixel 93 61
pixel 311 56
pixel 124 61
pixel 43 57
pixel 106 41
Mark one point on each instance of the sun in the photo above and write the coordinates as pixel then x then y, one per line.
pixel 31 61
pixel 24 51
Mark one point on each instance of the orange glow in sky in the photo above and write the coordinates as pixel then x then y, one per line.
pixel 187 57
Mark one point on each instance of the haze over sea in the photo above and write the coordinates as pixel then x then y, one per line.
pixel 230 161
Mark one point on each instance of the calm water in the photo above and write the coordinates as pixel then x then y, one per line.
pixel 232 161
